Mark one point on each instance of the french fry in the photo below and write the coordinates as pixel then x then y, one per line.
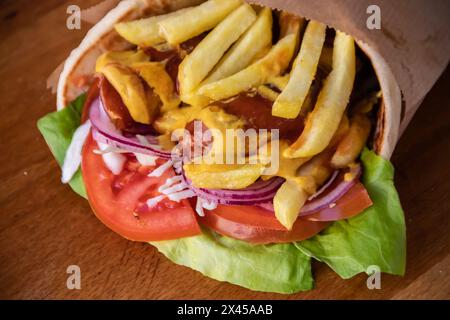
pixel 256 38
pixel 267 93
pixel 351 145
pixel 223 176
pixel 179 28
pixel 145 32
pixel 291 99
pixel 279 81
pixel 288 201
pixel 272 64
pixel 323 121
pixel 196 66
pixel 156 76
pixel 131 90
pixel 294 192
pixel 125 58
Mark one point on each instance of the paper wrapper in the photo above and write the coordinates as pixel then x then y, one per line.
pixel 408 53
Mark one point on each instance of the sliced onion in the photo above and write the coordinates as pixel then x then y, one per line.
pixel 72 159
pixel 325 186
pixel 259 192
pixel 108 134
pixel 333 191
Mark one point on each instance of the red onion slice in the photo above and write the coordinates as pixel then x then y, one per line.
pixel 325 186
pixel 259 192
pixel 110 135
pixel 333 191
pixel 260 188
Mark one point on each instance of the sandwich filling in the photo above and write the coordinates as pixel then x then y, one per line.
pixel 244 120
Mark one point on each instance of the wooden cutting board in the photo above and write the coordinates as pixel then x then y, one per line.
pixel 45 227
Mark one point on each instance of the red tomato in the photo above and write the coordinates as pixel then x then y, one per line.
pixel 350 204
pixel 257 225
pixel 119 201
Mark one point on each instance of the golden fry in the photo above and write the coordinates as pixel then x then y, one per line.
pixel 323 121
pixel 272 64
pixel 223 176
pixel 257 38
pixel 125 58
pixel 354 141
pixel 196 66
pixel 145 32
pixel 131 90
pixel 288 201
pixel 156 76
pixel 291 99
pixel 179 28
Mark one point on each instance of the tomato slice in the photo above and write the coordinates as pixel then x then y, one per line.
pixel 119 201
pixel 257 225
pixel 350 204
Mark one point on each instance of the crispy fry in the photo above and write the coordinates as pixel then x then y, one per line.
pixel 125 58
pixel 156 76
pixel 279 81
pixel 291 99
pixel 131 90
pixel 223 176
pixel 351 145
pixel 257 38
pixel 208 52
pixel 288 201
pixel 272 64
pixel 145 32
pixel 294 192
pixel 323 121
pixel 179 28
pixel 267 93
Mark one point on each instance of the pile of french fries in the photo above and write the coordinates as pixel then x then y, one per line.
pixel 300 73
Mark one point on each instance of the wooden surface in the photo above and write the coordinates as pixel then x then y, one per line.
pixel 45 227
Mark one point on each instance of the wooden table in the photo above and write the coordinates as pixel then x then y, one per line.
pixel 45 227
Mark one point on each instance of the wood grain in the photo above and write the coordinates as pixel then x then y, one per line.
pixel 44 227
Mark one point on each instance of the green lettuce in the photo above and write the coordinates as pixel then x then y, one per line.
pixel 278 268
pixel 375 237
pixel 57 128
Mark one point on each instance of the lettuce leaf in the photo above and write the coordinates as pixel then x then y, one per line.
pixel 57 128
pixel 375 237
pixel 278 268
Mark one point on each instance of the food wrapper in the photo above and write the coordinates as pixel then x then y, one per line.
pixel 409 51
